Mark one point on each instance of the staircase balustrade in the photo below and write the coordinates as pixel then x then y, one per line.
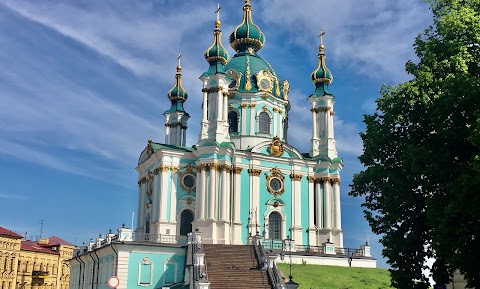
pixel 266 263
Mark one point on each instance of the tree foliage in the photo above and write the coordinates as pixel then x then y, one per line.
pixel 421 181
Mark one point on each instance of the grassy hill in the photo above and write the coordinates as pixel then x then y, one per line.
pixel 333 277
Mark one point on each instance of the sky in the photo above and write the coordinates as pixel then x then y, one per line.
pixel 83 86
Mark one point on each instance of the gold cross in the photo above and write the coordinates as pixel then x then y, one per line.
pixel 321 35
pixel 179 56
pixel 218 11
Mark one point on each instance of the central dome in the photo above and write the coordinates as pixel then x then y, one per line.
pixel 248 69
pixel 247 34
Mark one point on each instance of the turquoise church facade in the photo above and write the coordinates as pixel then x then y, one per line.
pixel 242 177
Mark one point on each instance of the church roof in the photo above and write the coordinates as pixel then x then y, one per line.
pixel 177 95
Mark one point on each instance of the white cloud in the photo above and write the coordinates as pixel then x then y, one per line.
pixel 373 37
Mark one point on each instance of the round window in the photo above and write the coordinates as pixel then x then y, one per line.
pixel 189 181
pixel 276 184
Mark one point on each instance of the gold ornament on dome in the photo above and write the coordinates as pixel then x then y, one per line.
pixel 235 76
pixel 275 148
pixel 265 80
pixel 275 182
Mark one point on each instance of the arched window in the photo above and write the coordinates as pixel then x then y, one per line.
pixel 275 226
pixel 186 220
pixel 233 121
pixel 264 123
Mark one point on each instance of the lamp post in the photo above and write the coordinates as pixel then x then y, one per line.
pixel 290 284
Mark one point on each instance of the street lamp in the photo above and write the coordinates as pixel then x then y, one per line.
pixel 290 284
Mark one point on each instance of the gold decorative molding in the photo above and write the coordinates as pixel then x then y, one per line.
pixel 311 179
pixel 280 111
pixel 187 170
pixel 334 181
pixel 237 170
pixel 332 112
pixel 248 84
pixel 264 108
pixel 230 106
pixel 213 89
pixel 296 177
pixel 252 105
pixel 243 105
pixel 264 96
pixel 265 80
pixel 275 109
pixel 276 176
pixel 314 110
pixel 224 167
pixel 275 148
pixel 164 168
pixel 236 76
pixel 324 180
pixel 175 169
pixel 254 172
pixel 155 171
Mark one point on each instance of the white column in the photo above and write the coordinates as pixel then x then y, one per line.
pixel 331 114
pixel 244 120
pixel 237 223
pixel 167 133
pixel 254 197
pixel 314 124
pixel 223 194
pixel 139 207
pixel 236 194
pixel 327 125
pixel 142 204
pixel 155 206
pixel 212 193
pixel 179 134
pixel 219 105
pixel 253 121
pixel 320 205
pixel 320 121
pixel 274 123
pixel 205 103
pixel 200 199
pixel 338 216
pixel 184 141
pixel 173 196
pixel 225 107
pixel 328 204
pixel 164 175
pixel 312 241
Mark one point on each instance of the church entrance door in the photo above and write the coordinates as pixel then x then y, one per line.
pixel 186 220
pixel 275 226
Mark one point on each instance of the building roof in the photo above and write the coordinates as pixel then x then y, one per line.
pixel 35 247
pixel 6 232
pixel 54 240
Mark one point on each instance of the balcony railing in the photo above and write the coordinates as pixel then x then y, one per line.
pixel 40 274
pixel 160 238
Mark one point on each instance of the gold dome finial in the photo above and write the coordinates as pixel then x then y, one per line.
pixel 217 21
pixel 179 68
pixel 321 47
pixel 247 2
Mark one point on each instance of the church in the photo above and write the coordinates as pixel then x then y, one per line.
pixel 242 177
pixel 242 183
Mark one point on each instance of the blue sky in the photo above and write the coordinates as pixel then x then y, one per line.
pixel 83 85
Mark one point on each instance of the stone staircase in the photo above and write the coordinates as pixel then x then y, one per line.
pixel 234 267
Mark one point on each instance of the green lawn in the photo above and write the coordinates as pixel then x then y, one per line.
pixel 333 277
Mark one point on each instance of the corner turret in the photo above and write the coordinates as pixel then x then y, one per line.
pixel 216 55
pixel 176 117
pixel 321 76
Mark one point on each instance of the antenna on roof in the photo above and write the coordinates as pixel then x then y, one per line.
pixel 41 228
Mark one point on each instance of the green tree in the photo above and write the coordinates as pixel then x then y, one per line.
pixel 421 181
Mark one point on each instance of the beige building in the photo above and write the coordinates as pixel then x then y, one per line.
pixel 30 264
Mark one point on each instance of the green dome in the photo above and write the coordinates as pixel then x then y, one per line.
pixel 177 95
pixel 321 76
pixel 247 35
pixel 216 55
pixel 246 70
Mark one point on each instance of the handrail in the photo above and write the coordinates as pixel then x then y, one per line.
pixel 272 271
